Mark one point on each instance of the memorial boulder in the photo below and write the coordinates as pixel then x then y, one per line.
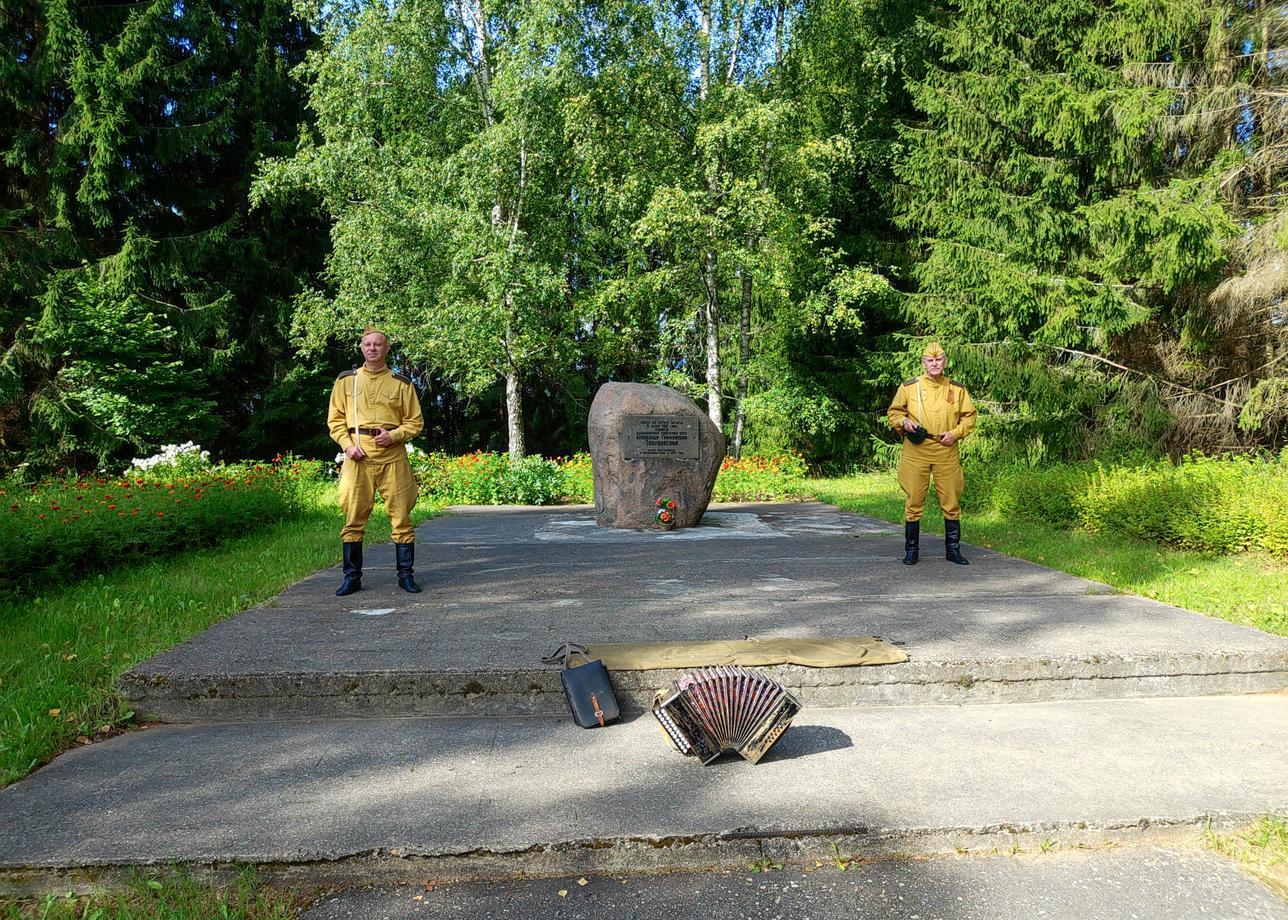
pixel 649 443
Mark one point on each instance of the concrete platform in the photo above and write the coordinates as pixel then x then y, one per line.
pixel 381 800
pixel 505 586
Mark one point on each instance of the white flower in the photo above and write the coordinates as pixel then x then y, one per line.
pixel 339 458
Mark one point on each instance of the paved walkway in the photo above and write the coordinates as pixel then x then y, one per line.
pixel 1036 709
pixel 1148 883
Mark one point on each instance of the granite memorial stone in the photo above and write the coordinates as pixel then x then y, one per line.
pixel 649 443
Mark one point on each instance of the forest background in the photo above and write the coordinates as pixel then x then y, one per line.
pixel 767 205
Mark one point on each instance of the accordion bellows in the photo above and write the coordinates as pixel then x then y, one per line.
pixel 724 708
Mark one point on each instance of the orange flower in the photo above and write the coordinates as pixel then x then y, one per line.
pixel 111 507
pixel 160 514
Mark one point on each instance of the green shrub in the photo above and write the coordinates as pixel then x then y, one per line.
pixel 486 478
pixel 578 479
pixel 1049 494
pixel 1221 505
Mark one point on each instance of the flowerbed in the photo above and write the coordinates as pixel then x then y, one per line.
pixel 484 478
pixel 761 479
pixel 63 528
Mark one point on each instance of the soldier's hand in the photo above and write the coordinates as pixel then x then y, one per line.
pixel 384 438
pixel 909 425
pixel 947 439
pixel 355 452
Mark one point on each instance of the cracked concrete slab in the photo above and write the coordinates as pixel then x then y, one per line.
pixel 498 595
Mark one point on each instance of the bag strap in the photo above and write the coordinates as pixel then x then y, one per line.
pixel 563 654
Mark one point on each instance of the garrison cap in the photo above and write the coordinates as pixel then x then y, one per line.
pixel 934 350
pixel 367 330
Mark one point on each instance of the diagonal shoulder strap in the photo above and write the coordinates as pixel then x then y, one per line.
pixel 563 654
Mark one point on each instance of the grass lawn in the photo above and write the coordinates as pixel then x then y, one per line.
pixel 1248 589
pixel 61 652
pixel 1261 849
pixel 173 897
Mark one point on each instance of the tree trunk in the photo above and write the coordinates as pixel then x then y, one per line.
pixel 744 355
pixel 710 288
pixel 513 404
pixel 711 311
pixel 514 415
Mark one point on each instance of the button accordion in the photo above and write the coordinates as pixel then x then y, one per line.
pixel 724 708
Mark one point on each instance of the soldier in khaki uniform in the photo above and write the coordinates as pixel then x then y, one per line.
pixel 932 413
pixel 373 414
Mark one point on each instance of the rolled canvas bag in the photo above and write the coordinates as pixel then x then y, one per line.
pixel 586 687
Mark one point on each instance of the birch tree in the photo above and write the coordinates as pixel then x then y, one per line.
pixel 442 159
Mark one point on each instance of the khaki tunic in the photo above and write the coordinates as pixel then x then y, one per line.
pixel 938 406
pixel 382 400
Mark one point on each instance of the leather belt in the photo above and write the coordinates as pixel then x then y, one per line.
pixel 369 432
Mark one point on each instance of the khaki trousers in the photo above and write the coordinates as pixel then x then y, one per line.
pixel 360 480
pixel 918 464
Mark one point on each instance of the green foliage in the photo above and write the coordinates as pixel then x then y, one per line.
pixel 141 302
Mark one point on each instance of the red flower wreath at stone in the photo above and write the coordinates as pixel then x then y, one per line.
pixel 665 507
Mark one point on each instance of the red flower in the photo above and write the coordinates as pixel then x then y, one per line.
pixel 665 517
pixel 160 514
pixel 111 507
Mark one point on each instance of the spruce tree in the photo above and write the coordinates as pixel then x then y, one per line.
pixel 1052 223
pixel 146 304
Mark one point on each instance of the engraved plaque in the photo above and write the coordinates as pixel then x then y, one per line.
pixel 661 437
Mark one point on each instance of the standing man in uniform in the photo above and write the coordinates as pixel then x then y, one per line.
pixel 373 414
pixel 932 413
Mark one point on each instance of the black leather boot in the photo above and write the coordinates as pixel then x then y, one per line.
pixel 406 555
pixel 911 541
pixel 953 542
pixel 352 569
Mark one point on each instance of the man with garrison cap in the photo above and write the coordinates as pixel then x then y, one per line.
pixel 932 413
pixel 373 414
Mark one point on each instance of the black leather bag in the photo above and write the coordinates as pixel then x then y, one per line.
pixel 586 687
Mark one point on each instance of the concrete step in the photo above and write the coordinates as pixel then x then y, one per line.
pixel 503 587
pixel 388 800
pixel 161 694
